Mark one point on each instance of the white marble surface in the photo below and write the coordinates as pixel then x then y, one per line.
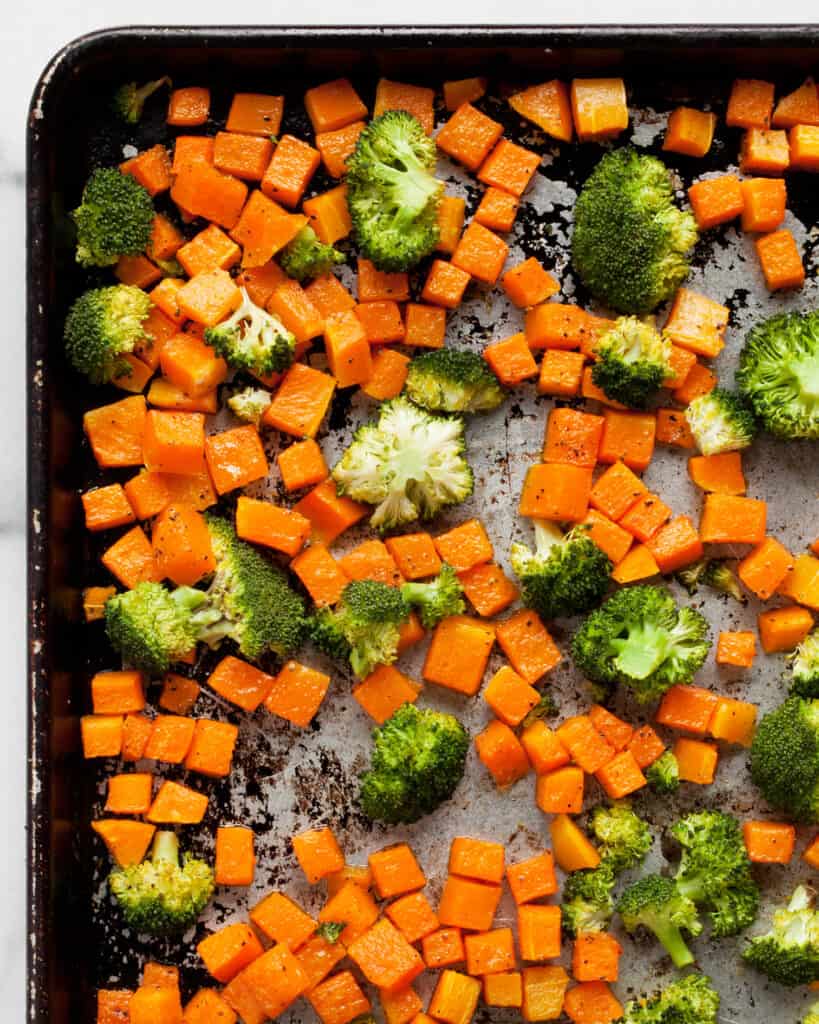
pixel 26 44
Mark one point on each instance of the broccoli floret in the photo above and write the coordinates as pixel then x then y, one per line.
pixel 307 257
pixel 410 464
pixel 812 1016
pixel 689 1000
pixel 102 326
pixel 710 572
pixel 249 404
pixel 657 904
pixel 130 98
pixel 392 192
pixel 715 872
pixel 588 904
pixel 624 839
pixel 720 422
pixel 663 775
pixel 633 360
pixel 418 760
pixel 779 374
pixel 160 896
pixel 804 665
pixel 564 575
pixel 330 931
pixel 114 219
pixel 789 952
pixel 640 639
pixel 785 758
pixel 436 599
pixel 546 707
pixel 253 340
pixel 630 240
pixel 453 380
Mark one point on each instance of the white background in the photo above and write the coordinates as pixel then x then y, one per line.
pixel 27 42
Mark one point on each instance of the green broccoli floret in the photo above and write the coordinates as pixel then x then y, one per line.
pixel 546 707
pixel 779 374
pixel 633 360
pixel 330 931
pixel 663 775
pixel 565 575
pixel 453 380
pixel 812 1016
pixel 436 599
pixel 710 572
pixel 102 326
pixel 417 762
pixel 640 639
pixel 720 422
pixel 630 240
pixel 114 218
pixel 789 952
pixel 689 1000
pixel 249 404
pixel 392 192
pixel 160 896
pixel 715 872
pixel 130 98
pixel 785 758
pixel 410 464
pixel 657 904
pixel 253 340
pixel 804 665
pixel 623 838
pixel 307 257
pixel 587 901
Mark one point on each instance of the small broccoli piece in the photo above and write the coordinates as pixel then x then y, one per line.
pixel 779 374
pixel 249 404
pixel 655 903
pixel 253 340
pixel 129 99
pixel 710 572
pixel 330 931
pixel 588 904
pixel 417 762
pixel 663 775
pixel 640 639
pixel 624 839
pixel 160 896
pixel 720 422
pixel 307 257
pixel 565 575
pixel 102 326
pixel 715 872
pixel 114 218
pixel 410 464
pixel 812 1016
pixel 546 707
pixel 453 380
pixel 689 1000
pixel 633 360
pixel 325 630
pixel 436 599
pixel 804 665
pixel 785 758
pixel 630 240
pixel 789 952
pixel 392 192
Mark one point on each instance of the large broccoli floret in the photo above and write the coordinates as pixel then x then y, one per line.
pixel 630 240
pixel 640 639
pixel 715 871
pixel 436 599
pixel 655 903
pixel 785 758
pixel 633 360
pixel 779 374
pixel 663 775
pixel 418 760
pixel 588 904
pixel 249 404
pixel 623 838
pixel 453 380
pixel 689 1000
pixel 130 98
pixel 564 575
pixel 160 896
pixel 114 219
pixel 720 422
pixel 710 572
pixel 789 952
pixel 102 326
pixel 804 664
pixel 392 192
pixel 307 257
pixel 253 340
pixel 410 464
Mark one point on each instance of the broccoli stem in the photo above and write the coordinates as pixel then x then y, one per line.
pixel 671 938
pixel 692 887
pixel 806 372
pixel 642 651
pixel 165 848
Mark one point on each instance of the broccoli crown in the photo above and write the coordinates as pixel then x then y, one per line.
pixel 588 904
pixel 715 871
pixel 720 422
pixel 546 707
pixel 418 760
pixel 161 896
pixel 364 626
pixel 305 256
pixel 410 465
pixel 151 627
pixel 655 903
pixel 812 1016
pixel 114 218
pixel 453 380
pixel 779 374
pixel 325 630
pixel 785 758
pixel 640 639
pixel 710 572
pixel 129 99
pixel 804 664
pixel 789 952
pixel 623 838
pixel 633 360
pixel 249 404
pixel 102 326
pixel 689 1000
pixel 663 775
pixel 392 192
pixel 564 575
pixel 436 599
pixel 252 339
pixel 630 240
